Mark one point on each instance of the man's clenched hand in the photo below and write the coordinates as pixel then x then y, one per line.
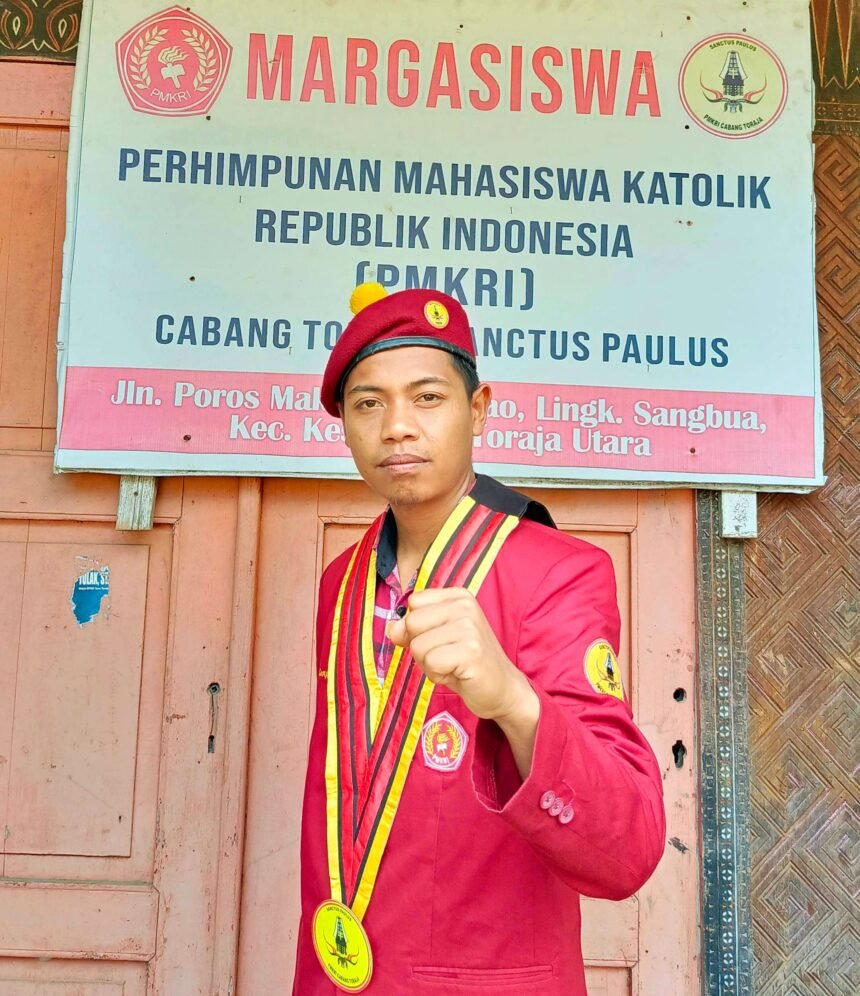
pixel 453 644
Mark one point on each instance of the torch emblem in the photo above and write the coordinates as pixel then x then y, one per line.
pixel 172 58
pixel 173 63
pixel 733 86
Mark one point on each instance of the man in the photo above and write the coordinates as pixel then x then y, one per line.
pixel 474 765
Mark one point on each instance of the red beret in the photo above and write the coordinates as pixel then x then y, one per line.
pixel 407 318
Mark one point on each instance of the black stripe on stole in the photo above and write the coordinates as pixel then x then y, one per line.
pixel 370 578
pixel 408 664
pixel 373 830
pixel 350 718
pixel 381 808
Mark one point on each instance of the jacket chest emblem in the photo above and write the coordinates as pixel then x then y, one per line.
pixel 443 742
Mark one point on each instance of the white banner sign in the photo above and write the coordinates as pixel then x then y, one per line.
pixel 622 203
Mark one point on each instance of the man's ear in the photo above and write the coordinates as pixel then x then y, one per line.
pixel 480 407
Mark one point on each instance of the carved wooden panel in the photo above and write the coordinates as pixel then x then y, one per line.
pixel 803 618
pixel 44 29
pixel 836 65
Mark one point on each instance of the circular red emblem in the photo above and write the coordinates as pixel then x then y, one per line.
pixel 173 63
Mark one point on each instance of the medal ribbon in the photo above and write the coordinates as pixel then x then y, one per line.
pixel 373 731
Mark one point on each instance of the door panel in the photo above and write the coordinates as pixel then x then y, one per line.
pixel 87 701
pixel 644 945
pixel 65 978
pixel 33 165
pixel 82 702
pixel 77 696
pixel 63 921
pixel 26 977
pixel 608 982
pixel 120 789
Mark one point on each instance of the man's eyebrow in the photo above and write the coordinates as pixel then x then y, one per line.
pixel 433 379
pixel 422 382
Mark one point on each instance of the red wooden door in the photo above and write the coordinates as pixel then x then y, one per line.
pixel 124 657
pixel 645 945
pixel 123 727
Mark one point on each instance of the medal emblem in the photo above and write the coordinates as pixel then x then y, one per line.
pixel 342 946
pixel 602 671
pixel 443 743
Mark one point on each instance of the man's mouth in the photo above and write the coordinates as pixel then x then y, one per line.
pixel 402 461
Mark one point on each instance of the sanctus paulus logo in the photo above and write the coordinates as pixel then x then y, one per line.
pixel 733 86
pixel 173 63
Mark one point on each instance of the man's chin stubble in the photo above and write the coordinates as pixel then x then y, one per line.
pixel 405 497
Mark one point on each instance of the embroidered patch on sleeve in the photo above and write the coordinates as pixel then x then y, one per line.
pixel 602 671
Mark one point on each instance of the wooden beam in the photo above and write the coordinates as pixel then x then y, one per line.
pixel 136 502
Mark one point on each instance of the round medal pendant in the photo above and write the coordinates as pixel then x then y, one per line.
pixel 342 946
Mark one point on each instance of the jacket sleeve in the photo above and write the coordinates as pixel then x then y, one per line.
pixel 592 804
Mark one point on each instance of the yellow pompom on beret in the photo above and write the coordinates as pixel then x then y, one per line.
pixel 364 295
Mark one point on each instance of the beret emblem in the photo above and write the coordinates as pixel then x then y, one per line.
pixel 436 314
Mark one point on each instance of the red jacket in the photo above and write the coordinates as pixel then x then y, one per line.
pixel 478 890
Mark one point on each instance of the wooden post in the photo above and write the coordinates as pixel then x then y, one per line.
pixel 136 502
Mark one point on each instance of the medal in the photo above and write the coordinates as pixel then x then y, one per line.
pixel 373 732
pixel 342 946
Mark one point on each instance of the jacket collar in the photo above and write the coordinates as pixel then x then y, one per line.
pixel 486 491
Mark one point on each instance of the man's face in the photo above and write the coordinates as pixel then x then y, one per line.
pixel 409 423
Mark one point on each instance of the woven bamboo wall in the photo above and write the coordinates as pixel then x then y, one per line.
pixel 803 630
pixel 803 604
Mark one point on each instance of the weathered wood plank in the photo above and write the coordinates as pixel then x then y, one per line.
pixel 66 921
pixel 136 501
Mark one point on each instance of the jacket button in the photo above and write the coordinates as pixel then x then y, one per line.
pixel 547 799
pixel 566 815
pixel 556 807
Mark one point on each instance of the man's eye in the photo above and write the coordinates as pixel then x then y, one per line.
pixel 367 403
pixel 430 397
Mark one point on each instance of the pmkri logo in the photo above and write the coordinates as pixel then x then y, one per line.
pixel 444 742
pixel 173 63
pixel 733 86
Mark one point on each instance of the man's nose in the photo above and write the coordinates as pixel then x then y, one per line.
pixel 399 422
